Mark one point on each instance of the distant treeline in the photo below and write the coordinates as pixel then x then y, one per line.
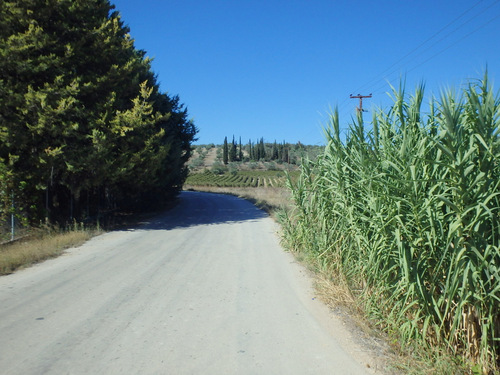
pixel 83 125
pixel 264 151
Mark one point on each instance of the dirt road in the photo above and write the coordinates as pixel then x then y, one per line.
pixel 202 289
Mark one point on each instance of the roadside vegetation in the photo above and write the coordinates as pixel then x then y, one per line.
pixel 403 215
pixel 40 245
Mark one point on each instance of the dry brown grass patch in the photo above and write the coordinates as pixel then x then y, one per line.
pixel 23 253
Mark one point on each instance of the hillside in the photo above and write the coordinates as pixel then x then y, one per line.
pixel 210 157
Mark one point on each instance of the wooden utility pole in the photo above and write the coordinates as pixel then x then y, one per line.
pixel 360 97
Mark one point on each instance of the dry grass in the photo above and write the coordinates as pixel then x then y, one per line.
pixel 23 253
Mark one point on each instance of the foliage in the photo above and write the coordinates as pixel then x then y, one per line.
pixel 217 168
pixel 83 125
pixel 408 214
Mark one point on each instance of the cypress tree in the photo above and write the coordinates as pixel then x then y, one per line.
pixel 262 149
pixel 240 156
pixel 225 151
pixel 274 151
pixel 232 151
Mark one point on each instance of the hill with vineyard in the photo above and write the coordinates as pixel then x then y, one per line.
pixel 207 166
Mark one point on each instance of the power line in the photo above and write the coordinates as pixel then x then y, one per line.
pixel 431 38
pixel 434 35
pixel 445 48
pixel 456 42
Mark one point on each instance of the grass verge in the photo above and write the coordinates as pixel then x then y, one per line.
pixel 41 246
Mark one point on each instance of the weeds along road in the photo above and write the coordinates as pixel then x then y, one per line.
pixel 203 289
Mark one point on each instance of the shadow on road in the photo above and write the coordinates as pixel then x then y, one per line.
pixel 198 208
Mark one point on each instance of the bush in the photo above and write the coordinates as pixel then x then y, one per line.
pixel 218 168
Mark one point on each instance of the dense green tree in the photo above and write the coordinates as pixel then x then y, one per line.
pixel 83 124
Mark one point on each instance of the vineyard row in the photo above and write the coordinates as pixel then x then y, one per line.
pixel 235 180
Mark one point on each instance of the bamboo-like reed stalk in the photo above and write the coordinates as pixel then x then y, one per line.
pixel 408 213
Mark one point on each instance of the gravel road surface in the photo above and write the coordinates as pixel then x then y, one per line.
pixel 203 289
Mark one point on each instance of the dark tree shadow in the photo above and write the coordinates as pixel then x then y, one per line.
pixel 199 208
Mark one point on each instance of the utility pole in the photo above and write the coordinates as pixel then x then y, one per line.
pixel 360 97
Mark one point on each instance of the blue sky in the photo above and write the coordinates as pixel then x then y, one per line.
pixel 275 68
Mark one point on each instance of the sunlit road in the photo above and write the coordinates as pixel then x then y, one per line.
pixel 203 289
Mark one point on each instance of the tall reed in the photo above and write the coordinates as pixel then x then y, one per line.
pixel 407 213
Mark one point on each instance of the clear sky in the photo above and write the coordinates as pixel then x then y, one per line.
pixel 275 68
